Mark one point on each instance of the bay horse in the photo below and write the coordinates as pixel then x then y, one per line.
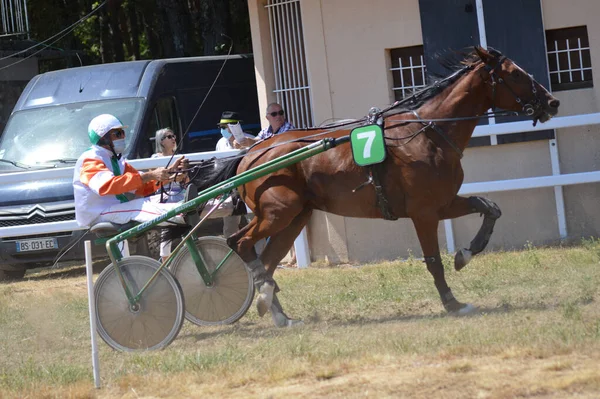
pixel 419 179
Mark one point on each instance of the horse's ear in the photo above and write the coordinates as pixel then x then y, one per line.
pixel 485 55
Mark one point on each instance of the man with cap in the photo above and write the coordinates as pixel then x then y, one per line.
pixel 228 141
pixel 105 185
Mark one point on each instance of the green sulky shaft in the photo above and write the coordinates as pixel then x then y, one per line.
pixel 226 186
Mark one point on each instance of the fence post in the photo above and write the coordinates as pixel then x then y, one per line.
pixel 92 307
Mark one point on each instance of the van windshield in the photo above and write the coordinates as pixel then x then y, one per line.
pixel 58 134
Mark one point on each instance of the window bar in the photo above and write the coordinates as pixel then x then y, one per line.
pixel 277 55
pixel 293 59
pixel 19 17
pixel 12 18
pixel 306 119
pixel 305 77
pixel 15 16
pixel 26 18
pixel 580 57
pixel 293 65
pixel 3 18
pixel 564 51
pixel 569 61
pixel 557 62
pixel 294 54
pixel 303 122
pixel 286 59
pixel 412 74
pixel 274 45
pixel 285 50
pixel 277 10
pixel 401 77
pixel 284 56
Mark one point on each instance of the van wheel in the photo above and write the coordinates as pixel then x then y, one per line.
pixel 12 274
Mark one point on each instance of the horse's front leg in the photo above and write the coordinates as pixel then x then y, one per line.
pixel 461 206
pixel 426 227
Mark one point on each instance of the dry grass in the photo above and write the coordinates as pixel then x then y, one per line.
pixel 372 331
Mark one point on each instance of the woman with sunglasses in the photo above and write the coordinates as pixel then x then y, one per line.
pixel 166 144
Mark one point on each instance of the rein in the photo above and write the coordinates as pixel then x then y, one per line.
pixel 529 108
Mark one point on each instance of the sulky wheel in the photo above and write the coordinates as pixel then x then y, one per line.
pixel 154 322
pixel 232 291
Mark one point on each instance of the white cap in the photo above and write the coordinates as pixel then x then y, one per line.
pixel 101 125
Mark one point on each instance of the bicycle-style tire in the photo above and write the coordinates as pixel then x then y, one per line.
pixel 159 316
pixel 231 293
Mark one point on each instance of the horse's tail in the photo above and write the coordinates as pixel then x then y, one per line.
pixel 222 171
pixel 209 177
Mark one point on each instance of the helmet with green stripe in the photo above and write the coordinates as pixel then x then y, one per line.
pixel 101 125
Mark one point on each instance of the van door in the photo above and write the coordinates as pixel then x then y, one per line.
pixel 164 114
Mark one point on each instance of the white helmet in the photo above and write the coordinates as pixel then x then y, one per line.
pixel 101 125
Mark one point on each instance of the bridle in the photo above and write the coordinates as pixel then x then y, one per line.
pixel 530 108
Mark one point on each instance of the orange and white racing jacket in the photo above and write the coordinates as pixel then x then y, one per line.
pixel 99 182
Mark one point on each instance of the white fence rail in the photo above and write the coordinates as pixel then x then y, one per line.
pixel 302 251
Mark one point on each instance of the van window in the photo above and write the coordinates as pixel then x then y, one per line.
pixel 58 134
pixel 163 115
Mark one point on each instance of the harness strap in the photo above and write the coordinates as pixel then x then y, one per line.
pixel 117 172
pixel 375 172
pixel 439 131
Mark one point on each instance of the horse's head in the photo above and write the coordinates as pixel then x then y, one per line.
pixel 512 88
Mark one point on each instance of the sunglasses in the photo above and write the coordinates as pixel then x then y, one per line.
pixel 280 113
pixel 169 136
pixel 118 133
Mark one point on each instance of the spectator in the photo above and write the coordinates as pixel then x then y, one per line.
pixel 277 122
pixel 166 145
pixel 105 185
pixel 231 224
pixel 228 141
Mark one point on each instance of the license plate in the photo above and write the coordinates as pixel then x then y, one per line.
pixel 37 244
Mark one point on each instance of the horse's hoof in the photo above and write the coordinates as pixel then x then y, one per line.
pixel 280 320
pixel 462 258
pixel 460 309
pixel 294 323
pixel 265 298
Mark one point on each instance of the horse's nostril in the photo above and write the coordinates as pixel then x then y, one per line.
pixel 554 103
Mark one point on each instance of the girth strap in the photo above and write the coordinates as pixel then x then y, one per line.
pixel 375 173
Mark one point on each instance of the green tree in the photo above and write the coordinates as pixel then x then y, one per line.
pixel 138 29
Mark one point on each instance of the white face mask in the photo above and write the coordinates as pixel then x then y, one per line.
pixel 119 146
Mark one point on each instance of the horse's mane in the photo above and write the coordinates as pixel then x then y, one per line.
pixel 458 62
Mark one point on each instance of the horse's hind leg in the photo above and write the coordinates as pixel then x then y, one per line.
pixel 461 206
pixel 242 242
pixel 426 227
pixel 282 225
pixel 275 250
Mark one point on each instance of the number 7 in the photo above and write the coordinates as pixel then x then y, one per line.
pixel 370 136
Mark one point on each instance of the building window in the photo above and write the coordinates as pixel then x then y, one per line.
pixel 408 70
pixel 569 58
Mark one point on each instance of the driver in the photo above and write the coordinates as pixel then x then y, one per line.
pixel 106 186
